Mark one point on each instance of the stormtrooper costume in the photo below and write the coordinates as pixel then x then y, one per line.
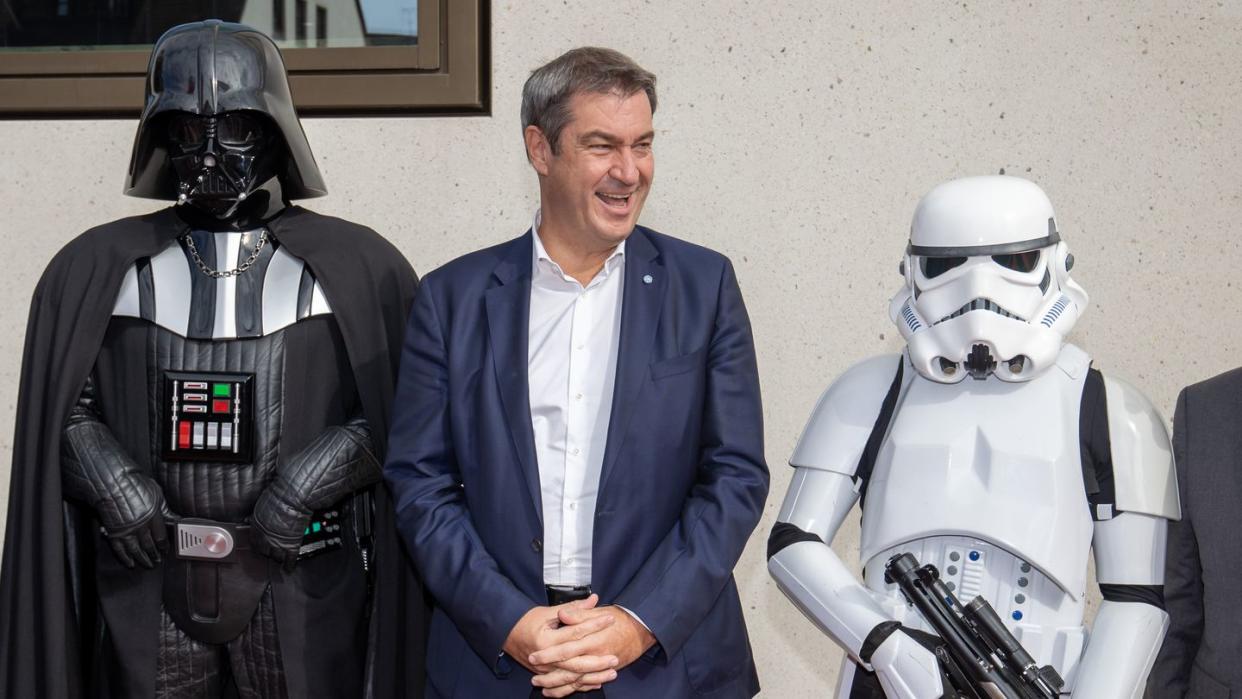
pixel 991 449
pixel 208 388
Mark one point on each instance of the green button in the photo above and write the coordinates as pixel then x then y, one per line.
pixel 315 527
pixel 220 390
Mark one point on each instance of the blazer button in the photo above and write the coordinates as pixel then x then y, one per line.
pixel 536 545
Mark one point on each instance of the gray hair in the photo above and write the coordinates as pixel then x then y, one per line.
pixel 550 87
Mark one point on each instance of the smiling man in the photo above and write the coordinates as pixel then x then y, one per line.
pixel 577 452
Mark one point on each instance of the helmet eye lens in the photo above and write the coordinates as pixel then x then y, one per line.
pixel 935 266
pixel 233 130
pixel 239 130
pixel 1018 261
pixel 187 131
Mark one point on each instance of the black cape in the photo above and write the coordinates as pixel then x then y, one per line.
pixel 47 602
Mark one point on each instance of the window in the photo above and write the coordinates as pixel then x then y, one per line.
pixel 299 23
pixel 278 20
pixel 79 58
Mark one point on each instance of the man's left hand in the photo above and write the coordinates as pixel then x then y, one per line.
pixel 626 639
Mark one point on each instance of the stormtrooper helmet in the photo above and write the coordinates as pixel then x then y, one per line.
pixel 987 287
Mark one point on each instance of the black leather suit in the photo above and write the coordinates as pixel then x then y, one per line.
pixel 311 452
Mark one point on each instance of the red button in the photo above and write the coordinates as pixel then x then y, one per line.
pixel 183 435
pixel 219 406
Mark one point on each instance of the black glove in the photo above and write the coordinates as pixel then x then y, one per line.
pixel 142 541
pixel 95 469
pixel 338 462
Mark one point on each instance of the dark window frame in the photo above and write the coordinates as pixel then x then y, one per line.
pixel 447 72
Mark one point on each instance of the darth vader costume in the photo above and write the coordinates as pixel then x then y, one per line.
pixel 195 507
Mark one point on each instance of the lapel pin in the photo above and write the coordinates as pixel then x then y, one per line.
pixel 646 278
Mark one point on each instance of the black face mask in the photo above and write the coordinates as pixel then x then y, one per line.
pixel 221 160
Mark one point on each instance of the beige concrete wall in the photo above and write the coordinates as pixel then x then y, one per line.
pixel 796 137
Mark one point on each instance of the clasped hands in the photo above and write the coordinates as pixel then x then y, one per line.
pixel 577 646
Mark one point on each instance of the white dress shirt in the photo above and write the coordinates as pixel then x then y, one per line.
pixel 572 365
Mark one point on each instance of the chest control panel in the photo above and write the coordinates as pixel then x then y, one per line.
pixel 208 416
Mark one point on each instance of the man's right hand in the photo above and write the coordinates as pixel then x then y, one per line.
pixel 541 628
pixel 906 669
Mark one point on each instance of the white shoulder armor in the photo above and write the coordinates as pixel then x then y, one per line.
pixel 1143 476
pixel 837 431
pixel 1073 361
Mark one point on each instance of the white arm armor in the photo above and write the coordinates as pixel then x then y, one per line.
pixel 821 495
pixel 1129 549
pixel 818 583
pixel 811 574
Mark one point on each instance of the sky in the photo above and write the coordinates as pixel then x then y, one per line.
pixel 391 16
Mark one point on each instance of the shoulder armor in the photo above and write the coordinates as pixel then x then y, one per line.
pixel 1073 361
pixel 127 299
pixel 838 429
pixel 166 290
pixel 1143 475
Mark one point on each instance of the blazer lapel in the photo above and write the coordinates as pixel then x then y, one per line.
pixel 642 299
pixel 508 318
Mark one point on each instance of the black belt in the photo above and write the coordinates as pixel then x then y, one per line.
pixel 213 583
pixel 560 594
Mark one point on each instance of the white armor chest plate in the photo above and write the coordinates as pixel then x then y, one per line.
pixel 983 479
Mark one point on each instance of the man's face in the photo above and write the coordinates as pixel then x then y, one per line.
pixel 596 184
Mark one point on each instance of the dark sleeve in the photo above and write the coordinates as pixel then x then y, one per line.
pixel 1183 579
pixel 679 582
pixel 431 509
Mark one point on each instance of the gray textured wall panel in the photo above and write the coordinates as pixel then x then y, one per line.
pixel 796 137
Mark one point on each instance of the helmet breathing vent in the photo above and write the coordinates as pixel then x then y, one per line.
pixel 911 320
pixel 1055 312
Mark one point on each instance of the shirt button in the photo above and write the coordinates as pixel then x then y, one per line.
pixel 580 347
pixel 575 451
pixel 573 505
pixel 536 545
pixel 569 561
pixel 578 396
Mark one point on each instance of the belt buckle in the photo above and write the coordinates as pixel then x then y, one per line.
pixel 204 542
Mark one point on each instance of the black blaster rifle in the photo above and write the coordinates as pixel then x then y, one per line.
pixel 983 660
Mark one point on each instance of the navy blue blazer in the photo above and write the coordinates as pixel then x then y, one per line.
pixel 682 487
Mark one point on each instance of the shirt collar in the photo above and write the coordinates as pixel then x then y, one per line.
pixel 542 264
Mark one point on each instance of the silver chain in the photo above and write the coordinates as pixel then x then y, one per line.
pixel 217 273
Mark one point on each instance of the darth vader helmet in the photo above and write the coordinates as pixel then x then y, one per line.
pixel 219 122
pixel 987 287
